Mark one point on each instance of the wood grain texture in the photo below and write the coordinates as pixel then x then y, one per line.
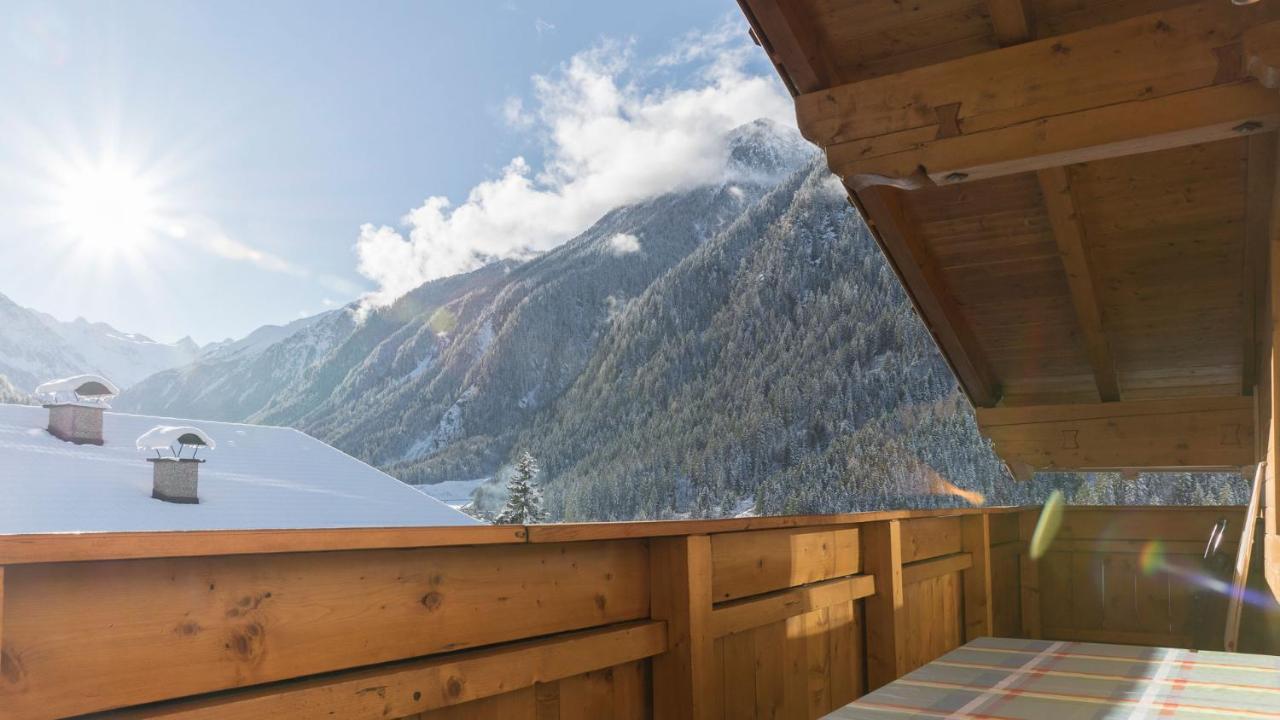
pixel 422 686
pixel 750 563
pixel 979 604
pixel 741 615
pixel 207 624
pixel 1068 231
pixel 887 622
pixel 680 578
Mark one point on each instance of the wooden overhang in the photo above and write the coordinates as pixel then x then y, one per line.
pixel 1078 197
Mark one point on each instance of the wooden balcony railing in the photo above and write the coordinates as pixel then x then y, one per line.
pixel 764 617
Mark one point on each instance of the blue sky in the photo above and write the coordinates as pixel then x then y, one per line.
pixel 283 152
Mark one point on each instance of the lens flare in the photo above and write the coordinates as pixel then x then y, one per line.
pixel 1048 525
pixel 1152 560
pixel 939 485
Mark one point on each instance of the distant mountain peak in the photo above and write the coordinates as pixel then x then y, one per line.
pixel 765 151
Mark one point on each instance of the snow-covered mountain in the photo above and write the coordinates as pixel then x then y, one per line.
pixel 35 347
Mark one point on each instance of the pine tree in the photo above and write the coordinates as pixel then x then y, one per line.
pixel 524 499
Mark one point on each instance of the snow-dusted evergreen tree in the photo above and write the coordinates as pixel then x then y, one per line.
pixel 524 500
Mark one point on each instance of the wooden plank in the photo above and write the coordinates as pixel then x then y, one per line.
pixel 817 639
pixel 741 615
pixel 886 620
pixel 1029 577
pixel 1240 570
pixel 1194 117
pixel 1009 20
pixel 588 696
pixel 1068 231
pixel 133 631
pixel 1135 523
pixel 845 653
pixel 771 656
pixel 795 668
pixel 1203 433
pixel 979 606
pixel 789 36
pixel 422 685
pixel 680 578
pixel 932 537
pixel 76 547
pixel 751 563
pixel 516 705
pixel 922 570
pixel 899 236
pixel 547 701
pixel 933 612
pixel 631 692
pixel 1150 56
pixel 578 532
pixel 2 652
pixel 1259 190
pixel 739 674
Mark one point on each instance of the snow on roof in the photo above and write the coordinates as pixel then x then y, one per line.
pixel 261 478
pixel 76 382
pixel 164 437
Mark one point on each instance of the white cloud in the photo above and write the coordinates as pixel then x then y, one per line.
pixel 624 244
pixel 608 140
pixel 542 26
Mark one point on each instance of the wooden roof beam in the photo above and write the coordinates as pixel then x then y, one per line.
pixel 1206 433
pixel 1190 118
pixel 1068 231
pixel 1011 21
pixel 899 238
pixel 790 38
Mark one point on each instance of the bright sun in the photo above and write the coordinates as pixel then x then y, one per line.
pixel 107 208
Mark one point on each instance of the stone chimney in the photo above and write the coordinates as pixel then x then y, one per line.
pixel 175 477
pixel 175 480
pixel 75 407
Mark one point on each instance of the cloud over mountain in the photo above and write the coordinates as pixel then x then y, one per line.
pixel 609 137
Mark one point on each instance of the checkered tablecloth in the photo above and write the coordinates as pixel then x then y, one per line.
pixel 1015 679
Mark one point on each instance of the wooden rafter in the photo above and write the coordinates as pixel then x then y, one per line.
pixel 1068 231
pixel 1009 19
pixel 792 43
pixel 900 239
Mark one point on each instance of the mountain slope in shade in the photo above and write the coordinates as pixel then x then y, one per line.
pixel 35 347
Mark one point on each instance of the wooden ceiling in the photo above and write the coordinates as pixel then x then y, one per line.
pixel 1077 194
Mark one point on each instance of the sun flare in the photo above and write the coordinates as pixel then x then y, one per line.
pixel 107 208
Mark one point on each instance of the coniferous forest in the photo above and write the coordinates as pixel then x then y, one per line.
pixel 746 350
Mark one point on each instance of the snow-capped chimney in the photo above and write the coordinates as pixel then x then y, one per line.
pixel 175 477
pixel 75 407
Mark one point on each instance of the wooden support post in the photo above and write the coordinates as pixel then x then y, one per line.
pixel 1029 575
pixel 976 540
pixel 1 618
pixel 885 615
pixel 680 594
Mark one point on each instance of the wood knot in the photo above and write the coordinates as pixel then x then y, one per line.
pixel 188 628
pixel 601 601
pixel 1162 26
pixel 431 601
pixel 454 687
pixel 247 641
pixel 1060 49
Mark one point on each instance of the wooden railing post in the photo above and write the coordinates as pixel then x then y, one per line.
pixel 680 592
pixel 976 540
pixel 886 618
pixel 1029 575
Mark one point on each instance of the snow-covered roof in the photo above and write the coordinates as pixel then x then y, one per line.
pixel 164 437
pixel 98 385
pixel 260 478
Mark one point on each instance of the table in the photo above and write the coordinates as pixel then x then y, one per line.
pixel 1018 679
